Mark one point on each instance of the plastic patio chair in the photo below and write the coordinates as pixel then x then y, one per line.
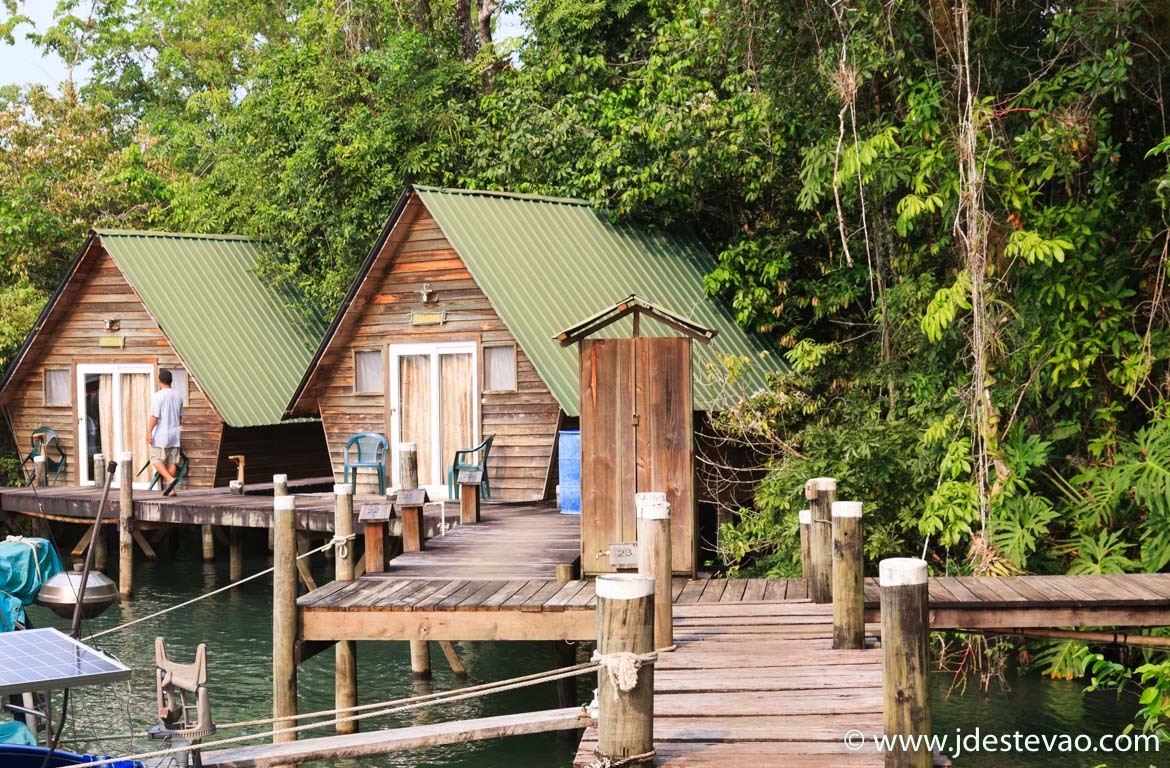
pixel 460 463
pixel 55 458
pixel 371 449
pixel 157 479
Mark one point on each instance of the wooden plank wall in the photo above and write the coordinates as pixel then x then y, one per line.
pixel 98 292
pixel 296 449
pixel 524 422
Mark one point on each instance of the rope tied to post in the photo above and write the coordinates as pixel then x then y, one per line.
pixel 340 544
pixel 623 667
pixel 609 761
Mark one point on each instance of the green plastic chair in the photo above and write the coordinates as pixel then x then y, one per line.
pixel 461 463
pixel 158 479
pixel 54 464
pixel 370 449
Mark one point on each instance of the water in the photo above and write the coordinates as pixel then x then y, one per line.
pixel 1041 706
pixel 237 627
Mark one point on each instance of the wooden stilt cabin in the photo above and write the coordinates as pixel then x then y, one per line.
pixel 134 303
pixel 448 334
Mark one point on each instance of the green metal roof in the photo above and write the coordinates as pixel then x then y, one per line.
pixel 547 264
pixel 245 342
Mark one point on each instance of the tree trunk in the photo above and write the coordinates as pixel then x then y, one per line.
pixel 486 9
pixel 422 16
pixel 466 31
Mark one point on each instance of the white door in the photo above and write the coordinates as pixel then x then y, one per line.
pixel 113 410
pixel 434 403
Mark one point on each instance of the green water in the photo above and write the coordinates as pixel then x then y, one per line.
pixel 237 629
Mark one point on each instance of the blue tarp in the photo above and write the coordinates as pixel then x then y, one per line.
pixel 25 565
pixel 14 732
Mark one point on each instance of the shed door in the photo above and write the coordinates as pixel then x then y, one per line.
pixel 636 435
pixel 113 413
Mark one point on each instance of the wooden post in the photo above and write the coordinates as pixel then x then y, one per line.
pixel 376 531
pixel 805 518
pixel 469 481
pixel 279 488
pixel 565 653
pixel 625 624
pixel 906 658
pixel 40 475
pixel 125 524
pixel 848 589
pixel 235 488
pixel 413 539
pixel 208 543
pixel 284 613
pixel 99 470
pixel 407 465
pixel 235 553
pixel 821 491
pixel 420 659
pixel 345 679
pixel 654 560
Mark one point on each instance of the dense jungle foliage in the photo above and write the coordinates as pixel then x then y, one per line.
pixel 952 218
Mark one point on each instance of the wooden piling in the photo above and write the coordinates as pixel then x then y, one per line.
pixel 805 518
pixel 453 659
pixel 654 560
pixel 99 470
pixel 40 475
pixel 420 659
pixel 848 586
pixel 284 613
pixel 821 492
pixel 235 553
pixel 208 538
pixel 279 488
pixel 564 652
pixel 125 524
pixel 345 678
pixel 407 465
pixel 625 624
pixel 906 658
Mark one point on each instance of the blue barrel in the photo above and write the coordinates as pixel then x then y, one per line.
pixel 13 756
pixel 569 466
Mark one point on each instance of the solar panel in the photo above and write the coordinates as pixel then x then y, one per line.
pixel 46 659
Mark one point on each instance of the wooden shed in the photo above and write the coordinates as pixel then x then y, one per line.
pixel 133 303
pixel 447 333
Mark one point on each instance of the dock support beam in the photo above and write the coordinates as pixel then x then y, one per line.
pixel 412 541
pixel 235 553
pixel 469 499
pixel 906 658
pixel 420 659
pixel 125 525
pixel 805 519
pixel 99 470
pixel 284 613
pixel 654 560
pixel 565 652
pixel 208 539
pixel 40 475
pixel 625 625
pixel 848 585
pixel 407 465
pixel 345 680
pixel 821 492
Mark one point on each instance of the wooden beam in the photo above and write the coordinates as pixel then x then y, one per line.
pixel 448 625
pixel 394 740
pixel 144 545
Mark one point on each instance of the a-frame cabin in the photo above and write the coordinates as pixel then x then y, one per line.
pixel 134 303
pixel 447 334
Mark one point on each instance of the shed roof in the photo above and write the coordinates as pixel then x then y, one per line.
pixel 547 264
pixel 244 340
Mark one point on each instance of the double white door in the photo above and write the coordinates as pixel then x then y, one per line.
pixel 113 412
pixel 434 404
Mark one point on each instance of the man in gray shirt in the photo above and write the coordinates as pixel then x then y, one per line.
pixel 166 416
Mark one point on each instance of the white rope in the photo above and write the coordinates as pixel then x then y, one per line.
pixel 623 668
pixel 505 686
pixel 340 544
pixel 579 669
pixel 32 544
pixel 608 761
pixel 192 601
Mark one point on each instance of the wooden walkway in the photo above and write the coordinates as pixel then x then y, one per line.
pixel 758 684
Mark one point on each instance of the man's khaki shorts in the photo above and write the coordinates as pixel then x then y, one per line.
pixel 168 455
